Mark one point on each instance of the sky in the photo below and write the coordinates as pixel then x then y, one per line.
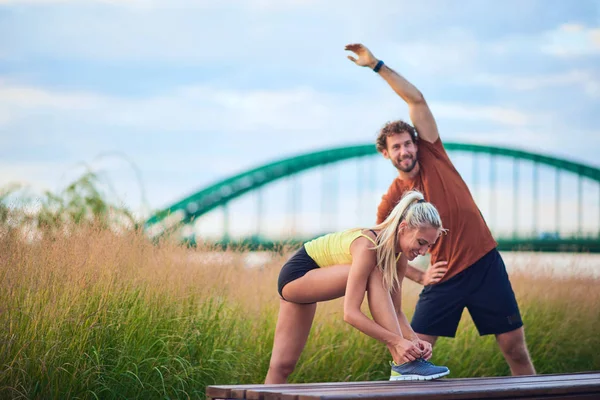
pixel 165 97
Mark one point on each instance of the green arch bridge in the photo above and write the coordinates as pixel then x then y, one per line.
pixel 218 195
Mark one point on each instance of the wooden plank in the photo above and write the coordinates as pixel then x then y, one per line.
pixel 291 391
pixel 388 386
pixel 488 390
pixel 578 396
pixel 440 386
pixel 218 392
pixel 224 391
pixel 259 393
pixel 463 392
pixel 443 393
pixel 239 391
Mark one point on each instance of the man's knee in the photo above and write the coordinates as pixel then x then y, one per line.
pixel 283 367
pixel 428 338
pixel 513 346
pixel 518 353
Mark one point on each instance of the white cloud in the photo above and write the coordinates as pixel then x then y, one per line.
pixel 565 41
pixel 38 175
pixel 192 107
pixel 585 79
pixel 254 32
pixel 452 51
pixel 21 101
pixel 209 109
pixel 554 139
pixel 184 32
pixel 42 2
pixel 507 138
pixel 280 4
pixel 27 97
pixel 474 112
pixel 191 4
pixel 572 40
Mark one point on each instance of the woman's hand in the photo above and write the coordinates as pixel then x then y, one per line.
pixel 405 351
pixel 425 347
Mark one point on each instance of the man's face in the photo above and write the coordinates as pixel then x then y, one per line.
pixel 401 151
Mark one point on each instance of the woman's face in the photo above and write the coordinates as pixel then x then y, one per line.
pixel 416 241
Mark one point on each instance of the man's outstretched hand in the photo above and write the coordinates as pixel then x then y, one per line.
pixel 365 57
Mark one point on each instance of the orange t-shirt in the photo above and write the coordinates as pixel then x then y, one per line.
pixel 468 237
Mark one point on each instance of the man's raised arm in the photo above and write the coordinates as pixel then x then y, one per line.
pixel 418 110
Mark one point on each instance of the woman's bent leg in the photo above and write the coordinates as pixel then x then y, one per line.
pixel 293 326
pixel 320 284
pixel 296 315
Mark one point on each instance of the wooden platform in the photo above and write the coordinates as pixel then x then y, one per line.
pixel 585 385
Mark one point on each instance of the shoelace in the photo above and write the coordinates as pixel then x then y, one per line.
pixel 421 360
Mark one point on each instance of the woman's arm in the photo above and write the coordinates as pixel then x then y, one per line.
pixel 363 262
pixel 407 330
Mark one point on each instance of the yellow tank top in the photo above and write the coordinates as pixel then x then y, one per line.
pixel 333 248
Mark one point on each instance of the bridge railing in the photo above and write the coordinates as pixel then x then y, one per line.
pixel 220 194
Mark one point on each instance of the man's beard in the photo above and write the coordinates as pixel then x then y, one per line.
pixel 410 167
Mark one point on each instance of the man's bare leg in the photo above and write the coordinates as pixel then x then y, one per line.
pixel 515 352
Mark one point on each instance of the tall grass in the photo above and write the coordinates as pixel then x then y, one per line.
pixel 97 313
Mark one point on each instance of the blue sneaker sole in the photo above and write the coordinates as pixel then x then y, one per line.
pixel 418 377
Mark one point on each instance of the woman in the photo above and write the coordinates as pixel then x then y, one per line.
pixel 350 263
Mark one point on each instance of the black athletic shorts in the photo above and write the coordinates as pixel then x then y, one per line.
pixel 483 288
pixel 296 267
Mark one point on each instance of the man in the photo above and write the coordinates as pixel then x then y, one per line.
pixel 467 270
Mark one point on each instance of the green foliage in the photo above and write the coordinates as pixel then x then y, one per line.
pixel 5 194
pixel 124 347
pixel 80 203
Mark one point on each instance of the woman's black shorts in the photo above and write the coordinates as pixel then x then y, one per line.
pixel 296 267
